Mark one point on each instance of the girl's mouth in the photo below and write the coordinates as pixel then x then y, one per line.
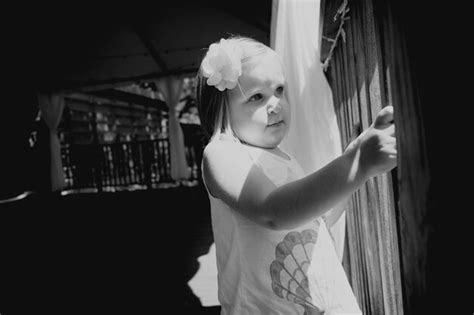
pixel 277 124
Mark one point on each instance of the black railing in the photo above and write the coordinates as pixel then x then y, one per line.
pixel 141 164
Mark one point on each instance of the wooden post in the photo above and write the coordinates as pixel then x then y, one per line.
pixel 97 152
pixel 359 89
pixel 406 236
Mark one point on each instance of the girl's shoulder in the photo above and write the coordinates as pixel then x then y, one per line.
pixel 222 147
pixel 230 174
pixel 233 150
pixel 225 153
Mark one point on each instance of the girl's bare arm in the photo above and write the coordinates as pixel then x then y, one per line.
pixel 232 176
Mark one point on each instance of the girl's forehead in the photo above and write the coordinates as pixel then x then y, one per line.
pixel 266 69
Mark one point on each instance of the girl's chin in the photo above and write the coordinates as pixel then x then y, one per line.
pixel 270 139
pixel 274 142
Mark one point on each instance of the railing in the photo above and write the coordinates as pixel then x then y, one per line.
pixel 139 164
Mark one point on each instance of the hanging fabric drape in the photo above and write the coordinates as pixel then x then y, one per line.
pixel 171 88
pixel 51 106
pixel 313 137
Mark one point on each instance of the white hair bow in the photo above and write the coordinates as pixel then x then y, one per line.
pixel 222 65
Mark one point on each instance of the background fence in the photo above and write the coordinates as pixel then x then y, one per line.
pixel 139 164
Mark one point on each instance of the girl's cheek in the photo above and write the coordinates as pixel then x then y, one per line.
pixel 260 110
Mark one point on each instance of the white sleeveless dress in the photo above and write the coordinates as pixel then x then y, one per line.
pixel 262 271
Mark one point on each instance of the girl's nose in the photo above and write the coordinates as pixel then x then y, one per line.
pixel 273 105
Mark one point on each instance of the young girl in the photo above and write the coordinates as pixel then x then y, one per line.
pixel 274 252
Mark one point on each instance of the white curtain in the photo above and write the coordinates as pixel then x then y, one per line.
pixel 313 137
pixel 171 87
pixel 51 106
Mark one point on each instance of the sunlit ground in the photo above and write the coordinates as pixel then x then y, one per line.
pixel 204 282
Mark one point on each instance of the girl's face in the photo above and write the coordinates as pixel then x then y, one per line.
pixel 260 117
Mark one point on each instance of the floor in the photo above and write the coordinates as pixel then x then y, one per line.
pixel 99 253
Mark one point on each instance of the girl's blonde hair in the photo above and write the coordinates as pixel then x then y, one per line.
pixel 213 104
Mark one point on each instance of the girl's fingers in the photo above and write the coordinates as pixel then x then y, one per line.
pixel 390 130
pixel 384 117
pixel 391 141
pixel 390 151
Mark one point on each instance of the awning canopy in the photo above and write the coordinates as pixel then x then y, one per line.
pixel 91 48
pixel 97 49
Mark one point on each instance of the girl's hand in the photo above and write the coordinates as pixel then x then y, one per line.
pixel 376 146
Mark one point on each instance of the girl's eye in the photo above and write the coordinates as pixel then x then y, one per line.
pixel 280 89
pixel 256 97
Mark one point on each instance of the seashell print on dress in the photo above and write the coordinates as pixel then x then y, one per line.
pixel 289 269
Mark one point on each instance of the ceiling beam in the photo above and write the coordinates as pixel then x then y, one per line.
pixel 142 34
pixel 127 97
pixel 70 86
